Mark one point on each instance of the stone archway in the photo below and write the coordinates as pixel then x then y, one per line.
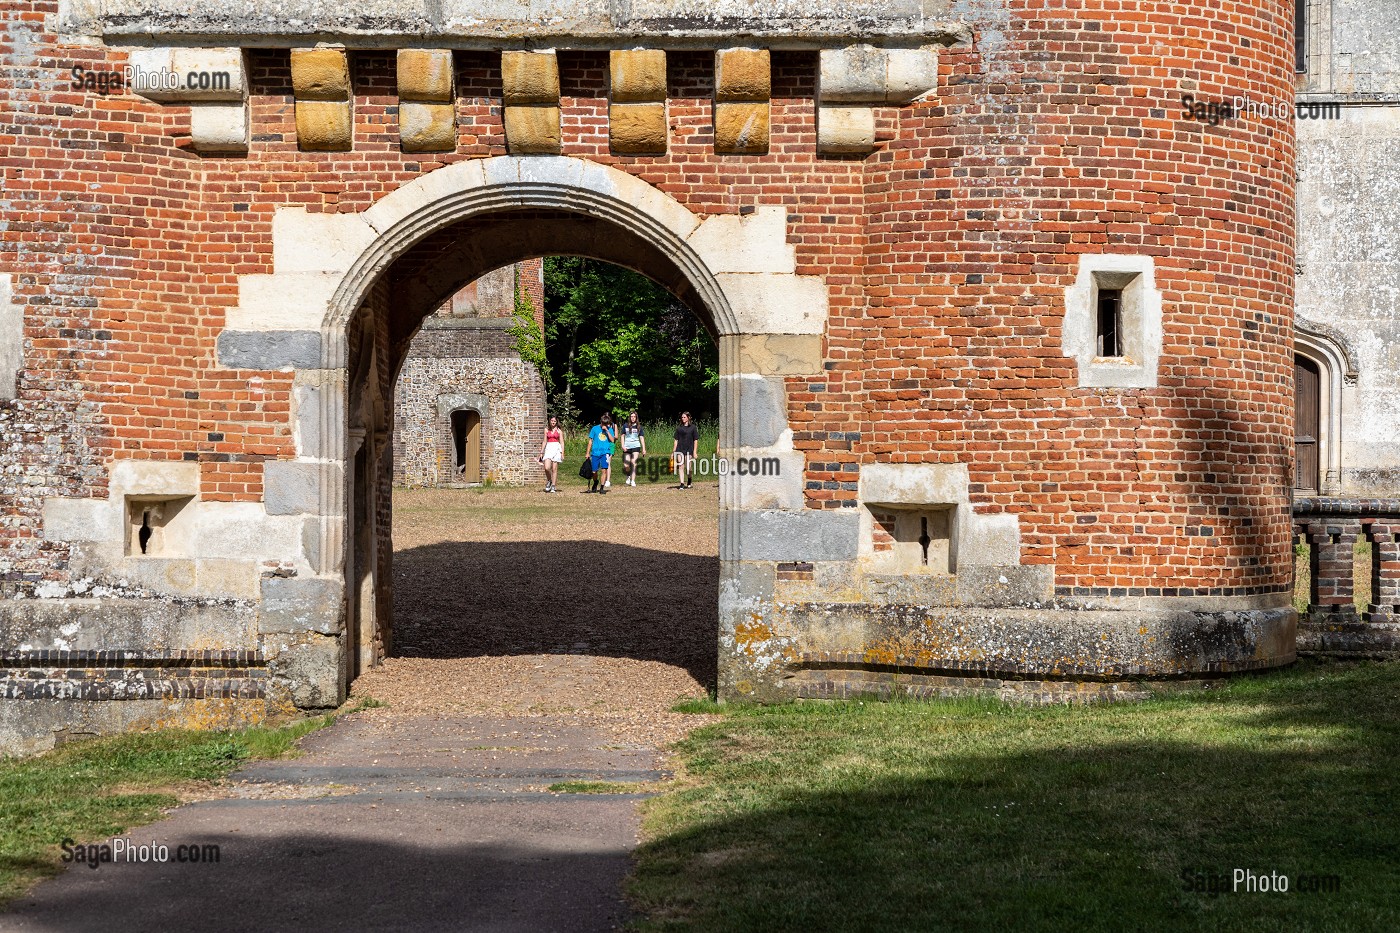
pixel 366 280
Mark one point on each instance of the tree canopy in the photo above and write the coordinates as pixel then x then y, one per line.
pixel 617 341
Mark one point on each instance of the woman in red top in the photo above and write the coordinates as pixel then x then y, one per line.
pixel 552 453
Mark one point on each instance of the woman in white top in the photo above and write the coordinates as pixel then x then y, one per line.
pixel 634 444
pixel 552 453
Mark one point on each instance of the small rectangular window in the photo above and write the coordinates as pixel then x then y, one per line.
pixel 1110 336
pixel 1300 35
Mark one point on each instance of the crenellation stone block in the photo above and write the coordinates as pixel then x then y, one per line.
pixel 845 130
pixel 427 127
pixel 743 75
pixel 533 130
pixel 324 126
pixel 741 129
pixel 637 76
pixel 220 127
pixel 637 129
pixel 529 78
pixel 320 74
pixel 425 75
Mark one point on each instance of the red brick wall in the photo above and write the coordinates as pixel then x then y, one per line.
pixel 946 254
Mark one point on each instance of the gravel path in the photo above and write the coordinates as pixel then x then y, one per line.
pixel 549 637
pixel 510 601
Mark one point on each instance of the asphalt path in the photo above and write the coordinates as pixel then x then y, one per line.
pixel 425 824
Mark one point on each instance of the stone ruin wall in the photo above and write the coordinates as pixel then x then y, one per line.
pixel 462 359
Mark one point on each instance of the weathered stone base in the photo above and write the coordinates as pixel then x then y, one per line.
pixel 767 647
pixel 845 684
pixel 1349 639
pixel 98 666
pixel 28 727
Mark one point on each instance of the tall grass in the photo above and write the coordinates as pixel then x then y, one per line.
pixel 659 437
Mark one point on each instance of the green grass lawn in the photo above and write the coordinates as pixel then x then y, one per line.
pixel 90 791
pixel 974 815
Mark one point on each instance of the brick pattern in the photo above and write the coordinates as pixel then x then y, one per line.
pixel 946 254
pixel 57 674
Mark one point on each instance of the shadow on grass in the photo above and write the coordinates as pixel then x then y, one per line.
pixel 474 599
pixel 971 815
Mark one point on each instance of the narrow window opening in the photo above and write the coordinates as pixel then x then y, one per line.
pixel 1110 332
pixel 143 537
pixel 1300 35
pixel 924 538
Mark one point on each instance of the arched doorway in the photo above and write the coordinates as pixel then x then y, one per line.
pixel 386 268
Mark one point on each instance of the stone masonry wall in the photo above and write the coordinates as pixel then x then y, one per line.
pixel 1349 240
pixel 461 359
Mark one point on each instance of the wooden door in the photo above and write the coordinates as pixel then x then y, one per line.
pixel 471 449
pixel 1307 395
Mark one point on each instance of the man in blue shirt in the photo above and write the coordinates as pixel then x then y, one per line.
pixel 600 448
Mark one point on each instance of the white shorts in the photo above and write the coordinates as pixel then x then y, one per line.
pixel 554 451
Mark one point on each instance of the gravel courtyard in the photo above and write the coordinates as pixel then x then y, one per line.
pixel 510 601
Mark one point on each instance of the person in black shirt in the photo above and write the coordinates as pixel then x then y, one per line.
pixel 684 449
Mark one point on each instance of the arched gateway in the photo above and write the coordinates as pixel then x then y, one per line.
pixel 1003 329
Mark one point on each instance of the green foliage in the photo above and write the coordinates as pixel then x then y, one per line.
pixel 617 341
pixel 527 337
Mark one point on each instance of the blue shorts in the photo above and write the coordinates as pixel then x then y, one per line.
pixel 600 462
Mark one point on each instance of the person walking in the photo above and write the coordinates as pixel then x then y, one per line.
pixel 634 444
pixel 552 453
pixel 600 450
pixel 683 451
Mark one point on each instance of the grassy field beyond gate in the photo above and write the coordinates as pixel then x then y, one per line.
pixel 974 815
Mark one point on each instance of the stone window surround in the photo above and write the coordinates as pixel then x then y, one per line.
pixel 1141 333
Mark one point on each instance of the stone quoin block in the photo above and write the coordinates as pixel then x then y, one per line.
pixel 269 350
pixel 11 339
pixel 742 110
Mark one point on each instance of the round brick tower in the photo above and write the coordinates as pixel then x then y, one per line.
pixel 1086 306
